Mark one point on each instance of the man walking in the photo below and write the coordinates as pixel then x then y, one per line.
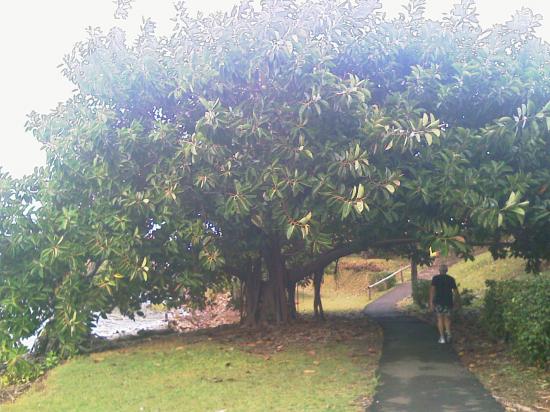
pixel 441 301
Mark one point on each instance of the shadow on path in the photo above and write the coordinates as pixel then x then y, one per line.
pixel 417 373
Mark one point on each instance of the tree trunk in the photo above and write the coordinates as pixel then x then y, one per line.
pixel 336 274
pixel 291 291
pixel 414 279
pixel 317 303
pixel 274 306
pixel 268 301
pixel 414 271
pixel 252 293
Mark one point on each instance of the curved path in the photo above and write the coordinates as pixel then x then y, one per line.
pixel 416 373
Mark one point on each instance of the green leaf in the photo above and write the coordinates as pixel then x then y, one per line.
pixel 518 211
pixel 360 191
pixel 346 209
pixel 429 138
pixel 289 231
pixel 257 220
pixel 305 219
pixel 425 120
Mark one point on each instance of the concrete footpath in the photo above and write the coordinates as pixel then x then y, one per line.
pixel 416 372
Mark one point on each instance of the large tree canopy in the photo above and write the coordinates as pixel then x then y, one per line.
pixel 265 143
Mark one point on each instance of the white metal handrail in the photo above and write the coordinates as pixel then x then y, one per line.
pixel 400 270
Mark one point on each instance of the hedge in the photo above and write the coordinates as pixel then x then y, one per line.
pixel 519 312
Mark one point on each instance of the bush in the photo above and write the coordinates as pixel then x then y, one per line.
pixel 421 292
pixel 467 296
pixel 493 308
pixel 17 366
pixel 388 284
pixel 18 369
pixel 519 311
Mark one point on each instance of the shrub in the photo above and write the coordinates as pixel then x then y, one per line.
pixel 388 284
pixel 421 292
pixel 519 311
pixel 16 366
pixel 467 296
pixel 493 309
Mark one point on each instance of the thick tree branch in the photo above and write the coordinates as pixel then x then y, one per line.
pixel 321 261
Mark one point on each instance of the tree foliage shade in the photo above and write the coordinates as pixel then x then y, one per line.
pixel 263 144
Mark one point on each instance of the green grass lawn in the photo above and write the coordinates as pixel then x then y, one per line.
pixel 170 375
pixel 308 366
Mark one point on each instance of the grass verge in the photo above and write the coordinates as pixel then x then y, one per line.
pixel 517 386
pixel 473 274
pixel 307 366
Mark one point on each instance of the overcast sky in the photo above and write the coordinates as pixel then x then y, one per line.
pixel 35 34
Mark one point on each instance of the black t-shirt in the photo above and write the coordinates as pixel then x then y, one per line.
pixel 444 285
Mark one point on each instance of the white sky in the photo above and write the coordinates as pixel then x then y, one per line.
pixel 36 34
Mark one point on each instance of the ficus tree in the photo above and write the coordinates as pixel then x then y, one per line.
pixel 265 143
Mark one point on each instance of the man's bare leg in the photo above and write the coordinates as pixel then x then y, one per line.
pixel 441 324
pixel 447 325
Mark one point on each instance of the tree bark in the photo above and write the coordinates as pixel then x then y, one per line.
pixel 252 293
pixel 317 303
pixel 274 300
pixel 336 274
pixel 323 259
pixel 268 294
pixel 414 270
pixel 414 278
pixel 291 291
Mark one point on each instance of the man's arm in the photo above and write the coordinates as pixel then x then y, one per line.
pixel 431 300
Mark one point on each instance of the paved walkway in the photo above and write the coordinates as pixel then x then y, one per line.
pixel 417 373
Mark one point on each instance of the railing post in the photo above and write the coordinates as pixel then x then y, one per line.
pixel 368 287
pixel 401 273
